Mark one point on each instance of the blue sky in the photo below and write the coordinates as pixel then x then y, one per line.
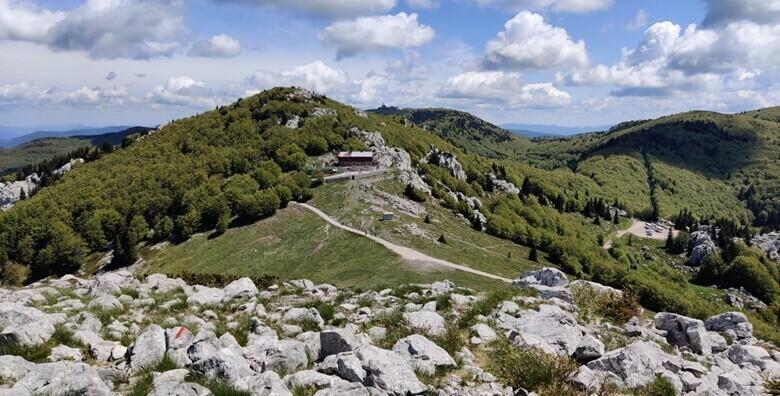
pixel 565 62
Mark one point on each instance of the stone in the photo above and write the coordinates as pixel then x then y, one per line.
pixel 162 284
pixel 105 302
pixel 62 378
pixel 701 245
pixel 749 354
pixel 345 389
pixel 589 348
pixel 424 355
pixel 170 388
pixel 311 379
pixel 635 364
pixel 203 295
pixel 596 287
pixel 25 325
pixel 545 277
pixel 684 332
pixel 12 368
pixel 551 329
pixel 240 288
pixel 336 341
pixel 63 352
pixel 225 364
pixel 148 349
pixel 267 384
pixel 345 365
pixel 430 323
pixel 389 372
pixel 312 344
pixel 733 322
pixel 299 315
pixel 484 332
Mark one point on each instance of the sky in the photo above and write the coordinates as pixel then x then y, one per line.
pixel 562 62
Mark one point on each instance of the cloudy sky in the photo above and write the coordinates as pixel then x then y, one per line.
pixel 564 62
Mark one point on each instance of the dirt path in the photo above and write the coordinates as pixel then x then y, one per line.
pixel 406 253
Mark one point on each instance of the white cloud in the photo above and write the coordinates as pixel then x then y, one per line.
pixel 639 22
pixel 27 93
pixel 380 32
pixel 423 4
pixel 182 91
pixel 505 88
pixel 575 6
pixel 325 8
pixel 316 76
pixel 756 11
pixel 528 42
pixel 109 29
pixel 23 21
pixel 219 46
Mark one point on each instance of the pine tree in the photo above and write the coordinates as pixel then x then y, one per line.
pixel 427 219
pixel 22 195
pixel 533 255
pixel 616 218
pixel 442 239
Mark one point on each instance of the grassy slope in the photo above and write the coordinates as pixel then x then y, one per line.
pixel 38 150
pixel 297 244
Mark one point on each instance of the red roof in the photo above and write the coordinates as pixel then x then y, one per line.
pixel 356 154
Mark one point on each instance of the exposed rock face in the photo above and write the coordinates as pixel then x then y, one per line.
pixel 392 157
pixel 447 161
pixel 503 185
pixel 769 243
pixel 548 282
pixel 11 192
pixel 67 167
pixel 701 245
pixel 684 331
pixel 424 355
pixel 736 324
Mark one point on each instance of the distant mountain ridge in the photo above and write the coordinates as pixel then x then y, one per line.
pixel 15 141
pixel 541 130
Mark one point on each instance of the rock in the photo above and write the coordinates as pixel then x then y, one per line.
pixel 299 315
pixel 311 379
pixel 429 322
pixel 312 344
pixel 111 282
pixel 701 245
pixel 345 365
pixel 162 284
pixel 105 302
pixel 285 356
pixel 636 364
pixel 177 375
pixel 12 368
pixel 148 349
pixel 62 378
pixel 550 328
pixel 11 192
pixel 749 354
pixel 684 331
pixel 588 349
pixel 597 287
pixel 484 332
pixel 170 388
pixel 267 384
pixel 377 333
pixel 226 364
pixel 547 282
pixel 204 345
pixel 424 355
pixel 735 323
pixel 447 161
pixel 63 352
pixel 241 288
pixel 337 341
pixel 389 372
pixel 345 389
pixel 25 325
pixel 203 295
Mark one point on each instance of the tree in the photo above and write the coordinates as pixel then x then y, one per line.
pixel 616 218
pixel 22 194
pixel 442 239
pixel 290 157
pixel 223 222
pixel 748 272
pixel 533 255
pixel 427 219
pixel 414 194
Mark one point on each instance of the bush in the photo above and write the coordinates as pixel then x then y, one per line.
pixel 222 280
pixel 749 273
pixel 772 387
pixel 14 274
pixel 415 194
pixel 659 387
pixel 531 369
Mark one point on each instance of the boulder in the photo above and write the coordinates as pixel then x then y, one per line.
pixel 111 282
pixel 267 384
pixel 105 302
pixel 160 283
pixel 389 372
pixel 241 288
pixel 12 368
pixel 148 349
pixel 734 323
pixel 749 354
pixel 285 356
pixel 429 322
pixel 701 245
pixel 226 364
pixel 60 378
pixel 424 355
pixel 589 348
pixel 635 364
pixel 63 352
pixel 684 332
pixel 551 329
pixel 337 341
pixel 345 389
pixel 545 277
pixel 311 379
pixel 484 332
pixel 299 315
pixel 202 295
pixel 25 325
pixel 346 365
pixel 171 388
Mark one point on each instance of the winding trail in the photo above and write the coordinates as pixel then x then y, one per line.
pixel 406 253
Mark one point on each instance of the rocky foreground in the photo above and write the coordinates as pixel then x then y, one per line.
pixel 118 334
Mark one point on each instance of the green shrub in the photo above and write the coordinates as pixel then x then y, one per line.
pixel 660 386
pixel 772 387
pixel 14 274
pixel 531 368
pixel 484 306
pixel 749 273
pixel 452 340
pixel 415 194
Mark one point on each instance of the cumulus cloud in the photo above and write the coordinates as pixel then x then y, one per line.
pixel 505 88
pixel 726 53
pixel 316 76
pixel 138 29
pixel 373 33
pixel 181 91
pixel 324 8
pixel 25 92
pixel 424 4
pixel 23 21
pixel 528 42
pixel 219 46
pixel 575 6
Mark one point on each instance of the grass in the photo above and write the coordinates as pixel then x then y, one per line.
pixel 531 369
pixel 40 353
pixel 485 305
pixel 396 328
pixel 297 244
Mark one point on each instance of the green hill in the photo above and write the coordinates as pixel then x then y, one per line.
pixel 212 184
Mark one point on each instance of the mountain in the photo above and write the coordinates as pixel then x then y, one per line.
pixel 42 149
pixel 244 190
pixel 28 137
pixel 539 130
